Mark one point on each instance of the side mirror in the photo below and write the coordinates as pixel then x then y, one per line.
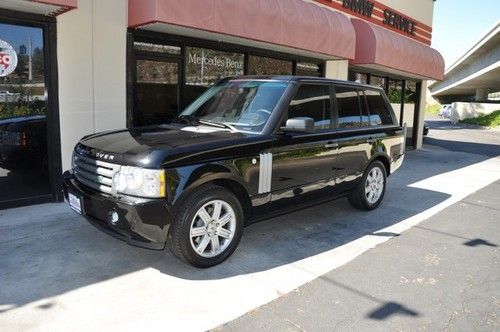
pixel 299 125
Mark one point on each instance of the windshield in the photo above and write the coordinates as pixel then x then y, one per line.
pixel 243 105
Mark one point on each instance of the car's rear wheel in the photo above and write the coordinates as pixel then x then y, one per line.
pixel 370 191
pixel 207 227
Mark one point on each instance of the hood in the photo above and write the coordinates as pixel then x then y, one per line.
pixel 154 146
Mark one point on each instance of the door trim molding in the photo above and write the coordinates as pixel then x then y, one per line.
pixel 265 172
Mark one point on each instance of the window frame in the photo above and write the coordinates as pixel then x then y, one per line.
pixel 48 25
pixel 336 114
pixel 144 56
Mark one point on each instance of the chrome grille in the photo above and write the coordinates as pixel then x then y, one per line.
pixel 95 174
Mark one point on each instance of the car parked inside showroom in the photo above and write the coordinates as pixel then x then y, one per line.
pixel 247 149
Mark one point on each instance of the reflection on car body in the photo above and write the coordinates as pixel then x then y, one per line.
pixel 23 142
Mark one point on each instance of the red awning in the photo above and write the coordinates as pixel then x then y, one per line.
pixel 64 5
pixel 380 48
pixel 292 23
pixel 40 7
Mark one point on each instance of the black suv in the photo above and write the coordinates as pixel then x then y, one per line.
pixel 247 149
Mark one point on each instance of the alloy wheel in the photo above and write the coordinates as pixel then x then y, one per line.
pixel 212 228
pixel 374 185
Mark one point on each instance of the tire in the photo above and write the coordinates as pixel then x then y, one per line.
pixel 200 249
pixel 360 197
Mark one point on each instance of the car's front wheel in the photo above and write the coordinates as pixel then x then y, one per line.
pixel 370 191
pixel 207 227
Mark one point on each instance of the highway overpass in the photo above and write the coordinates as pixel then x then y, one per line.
pixel 475 74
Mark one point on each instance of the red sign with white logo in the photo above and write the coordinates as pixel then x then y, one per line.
pixel 8 59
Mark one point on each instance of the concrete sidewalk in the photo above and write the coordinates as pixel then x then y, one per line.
pixel 443 274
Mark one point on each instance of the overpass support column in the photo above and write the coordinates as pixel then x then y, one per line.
pixel 481 94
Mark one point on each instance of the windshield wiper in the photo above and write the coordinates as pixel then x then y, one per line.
pixel 217 124
pixel 187 119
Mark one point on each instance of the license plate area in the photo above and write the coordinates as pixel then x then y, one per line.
pixel 75 202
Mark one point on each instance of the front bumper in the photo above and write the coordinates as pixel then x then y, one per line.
pixel 141 222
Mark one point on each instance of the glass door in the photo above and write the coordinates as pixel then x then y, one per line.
pixel 156 91
pixel 24 160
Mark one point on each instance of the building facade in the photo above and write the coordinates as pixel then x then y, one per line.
pixel 84 66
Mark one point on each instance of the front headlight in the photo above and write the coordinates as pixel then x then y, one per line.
pixel 140 182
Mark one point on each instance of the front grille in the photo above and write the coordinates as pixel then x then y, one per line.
pixel 95 174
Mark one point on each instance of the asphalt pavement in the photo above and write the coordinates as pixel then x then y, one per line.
pixel 443 274
pixel 462 137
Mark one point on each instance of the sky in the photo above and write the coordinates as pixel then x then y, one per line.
pixel 459 24
pixel 16 35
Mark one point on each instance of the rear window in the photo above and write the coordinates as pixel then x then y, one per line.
pixel 379 113
pixel 348 107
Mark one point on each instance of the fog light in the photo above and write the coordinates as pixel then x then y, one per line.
pixel 113 217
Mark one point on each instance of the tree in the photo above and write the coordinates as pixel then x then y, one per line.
pixel 37 63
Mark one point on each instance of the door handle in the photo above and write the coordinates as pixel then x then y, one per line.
pixel 331 145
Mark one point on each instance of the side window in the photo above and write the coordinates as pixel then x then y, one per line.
pixel 313 101
pixel 348 107
pixel 379 113
pixel 365 118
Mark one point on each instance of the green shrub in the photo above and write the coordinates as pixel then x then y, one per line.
pixel 433 109
pixel 489 120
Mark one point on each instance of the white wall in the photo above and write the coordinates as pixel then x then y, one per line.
pixel 337 69
pixel 421 118
pixel 460 111
pixel 409 112
pixel 91 50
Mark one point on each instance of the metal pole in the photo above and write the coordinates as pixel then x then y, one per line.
pixel 30 66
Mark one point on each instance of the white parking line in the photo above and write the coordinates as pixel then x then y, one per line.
pixel 131 301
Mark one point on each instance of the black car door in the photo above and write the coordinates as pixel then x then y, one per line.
pixel 355 136
pixel 302 163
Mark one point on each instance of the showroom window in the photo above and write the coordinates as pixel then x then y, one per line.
pixel 157 48
pixel 166 73
pixel 309 69
pixel 377 81
pixel 205 66
pixel 358 77
pixel 157 87
pixel 258 65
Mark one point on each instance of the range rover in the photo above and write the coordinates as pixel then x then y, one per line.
pixel 247 149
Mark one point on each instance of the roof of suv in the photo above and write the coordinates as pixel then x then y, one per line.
pixel 291 78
